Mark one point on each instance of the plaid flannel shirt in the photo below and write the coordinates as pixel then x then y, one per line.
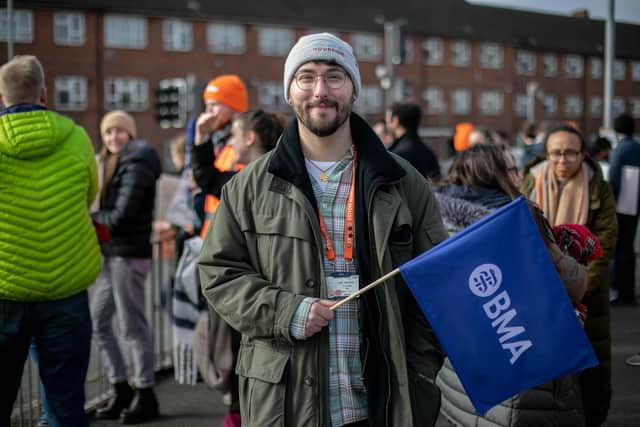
pixel 347 393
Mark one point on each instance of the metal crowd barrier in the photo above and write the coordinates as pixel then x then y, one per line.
pixel 27 407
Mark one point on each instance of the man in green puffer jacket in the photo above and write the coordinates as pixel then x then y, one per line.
pixel 49 252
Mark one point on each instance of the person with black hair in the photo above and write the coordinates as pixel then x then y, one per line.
pixel 570 189
pixel 403 121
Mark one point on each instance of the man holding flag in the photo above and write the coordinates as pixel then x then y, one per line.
pixel 325 213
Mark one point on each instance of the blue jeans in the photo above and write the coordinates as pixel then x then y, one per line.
pixel 61 331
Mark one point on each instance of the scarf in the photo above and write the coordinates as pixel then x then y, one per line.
pixel 563 205
pixel 109 165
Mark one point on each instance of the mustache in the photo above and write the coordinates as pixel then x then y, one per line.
pixel 323 103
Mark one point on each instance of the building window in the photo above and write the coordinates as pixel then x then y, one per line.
pixel 549 105
pixel 125 31
pixel 275 41
pixel 595 68
pixel 432 51
pixel 520 102
pixel 525 63
pixel 22 25
pixel 491 56
pixel 369 100
pixel 549 65
pixel 177 35
pixel 461 101
pixel 71 93
pixel 491 103
pixel 68 29
pixel 617 106
pixel 434 98
pixel 619 69
pixel 408 50
pixel 367 47
pixel 460 53
pixel 635 71
pixel 226 38
pixel 573 106
pixel 595 106
pixel 573 66
pixel 270 96
pixel 130 94
pixel 635 107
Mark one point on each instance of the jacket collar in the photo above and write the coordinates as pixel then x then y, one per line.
pixel 287 161
pixel 22 108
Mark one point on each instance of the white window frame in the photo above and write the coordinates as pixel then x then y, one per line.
pixel 137 88
pixel 125 31
pixel 22 25
pixel 226 38
pixel 432 51
pixel 573 66
pixel 549 105
pixel 409 50
pixel 573 106
pixel 69 28
pixel 177 35
pixel 491 56
pixel 525 63
pixel 270 96
pixel 618 106
pixel 370 100
pixel 76 89
pixel 635 71
pixel 549 65
pixel 595 68
pixel 634 107
pixel 367 46
pixel 275 41
pixel 619 69
pixel 460 53
pixel 491 102
pixel 433 96
pixel 461 102
pixel 595 106
pixel 520 104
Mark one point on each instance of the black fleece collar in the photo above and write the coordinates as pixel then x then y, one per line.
pixel 374 162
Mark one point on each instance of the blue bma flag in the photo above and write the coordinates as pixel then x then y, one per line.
pixel 499 308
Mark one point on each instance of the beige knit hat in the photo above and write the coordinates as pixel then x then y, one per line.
pixel 121 119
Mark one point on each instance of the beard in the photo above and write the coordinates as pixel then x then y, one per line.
pixel 321 126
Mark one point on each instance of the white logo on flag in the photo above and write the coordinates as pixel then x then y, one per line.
pixel 485 280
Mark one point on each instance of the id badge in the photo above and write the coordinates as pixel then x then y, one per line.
pixel 341 285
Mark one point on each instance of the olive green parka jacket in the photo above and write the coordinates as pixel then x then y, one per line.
pixel 601 220
pixel 264 254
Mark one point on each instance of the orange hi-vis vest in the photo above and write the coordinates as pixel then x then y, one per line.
pixel 225 162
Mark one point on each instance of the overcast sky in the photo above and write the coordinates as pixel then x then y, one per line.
pixel 625 10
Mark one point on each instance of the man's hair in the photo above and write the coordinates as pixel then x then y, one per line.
pixel 482 165
pixel 624 124
pixel 409 115
pixel 599 145
pixel 21 80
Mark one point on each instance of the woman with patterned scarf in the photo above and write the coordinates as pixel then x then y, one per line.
pixel 570 189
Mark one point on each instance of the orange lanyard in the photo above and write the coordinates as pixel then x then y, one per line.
pixel 348 222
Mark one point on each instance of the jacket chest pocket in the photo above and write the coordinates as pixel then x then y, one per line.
pixel 261 370
pixel 281 241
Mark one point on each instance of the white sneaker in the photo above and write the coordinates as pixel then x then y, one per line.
pixel 633 360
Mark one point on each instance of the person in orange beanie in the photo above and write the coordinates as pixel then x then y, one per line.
pixel 461 136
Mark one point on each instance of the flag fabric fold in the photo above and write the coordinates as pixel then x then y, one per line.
pixel 499 308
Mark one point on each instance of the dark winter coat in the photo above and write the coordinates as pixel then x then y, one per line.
pixel 410 147
pixel 127 210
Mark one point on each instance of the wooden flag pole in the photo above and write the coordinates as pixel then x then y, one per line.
pixel 366 288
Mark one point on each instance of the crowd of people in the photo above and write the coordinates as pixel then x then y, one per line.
pixel 275 222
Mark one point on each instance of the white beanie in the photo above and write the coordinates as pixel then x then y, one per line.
pixel 321 47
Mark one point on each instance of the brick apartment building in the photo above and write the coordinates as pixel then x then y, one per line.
pixel 465 62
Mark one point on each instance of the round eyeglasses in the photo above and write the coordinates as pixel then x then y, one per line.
pixel 569 155
pixel 334 79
